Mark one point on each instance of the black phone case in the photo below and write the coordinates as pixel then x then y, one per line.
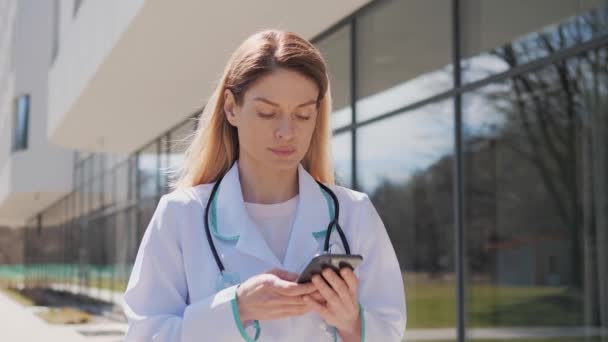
pixel 334 261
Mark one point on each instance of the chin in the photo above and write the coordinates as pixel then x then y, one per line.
pixel 284 164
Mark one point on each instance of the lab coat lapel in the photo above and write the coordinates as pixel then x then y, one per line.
pixel 233 219
pixel 312 216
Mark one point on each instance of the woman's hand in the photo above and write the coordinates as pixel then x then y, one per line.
pixel 273 295
pixel 341 307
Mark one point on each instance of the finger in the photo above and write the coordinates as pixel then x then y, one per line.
pixel 290 310
pixel 293 311
pixel 283 312
pixel 287 288
pixel 337 284
pixel 351 279
pixel 317 297
pixel 286 300
pixel 322 310
pixel 327 292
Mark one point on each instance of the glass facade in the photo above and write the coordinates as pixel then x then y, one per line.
pixel 479 130
pixel 535 149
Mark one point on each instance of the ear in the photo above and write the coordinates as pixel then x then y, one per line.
pixel 230 107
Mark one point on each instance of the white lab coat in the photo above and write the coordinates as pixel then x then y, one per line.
pixel 172 296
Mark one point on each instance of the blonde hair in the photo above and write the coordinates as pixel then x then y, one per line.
pixel 215 146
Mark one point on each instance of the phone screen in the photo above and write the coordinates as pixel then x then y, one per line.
pixel 334 261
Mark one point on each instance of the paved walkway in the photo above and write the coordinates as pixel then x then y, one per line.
pixel 17 323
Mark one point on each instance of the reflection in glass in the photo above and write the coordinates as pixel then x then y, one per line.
pixel 405 165
pixel 536 197
pixel 342 156
pixel 179 140
pixel 122 181
pixel 96 194
pixel 336 52
pixel 146 210
pixel 164 163
pixel 392 71
pixel 108 188
pixel 148 170
pixel 493 44
pixel 126 243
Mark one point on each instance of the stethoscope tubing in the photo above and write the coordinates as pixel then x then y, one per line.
pixel 333 222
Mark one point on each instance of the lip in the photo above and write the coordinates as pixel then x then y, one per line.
pixel 283 152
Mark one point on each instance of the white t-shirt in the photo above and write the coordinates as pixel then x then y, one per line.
pixel 274 222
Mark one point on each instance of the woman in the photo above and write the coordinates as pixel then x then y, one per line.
pixel 248 203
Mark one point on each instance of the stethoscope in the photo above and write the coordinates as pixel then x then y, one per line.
pixel 225 278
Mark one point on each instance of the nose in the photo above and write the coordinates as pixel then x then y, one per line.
pixel 286 129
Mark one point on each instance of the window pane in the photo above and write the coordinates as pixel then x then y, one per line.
pixel 343 155
pixel 404 164
pixel 96 193
pixel 87 169
pixel 126 245
pixel 148 170
pixel 180 139
pixel 164 163
pixel 122 182
pixel 336 51
pixel 21 122
pixel 493 43
pixel 403 54
pixel 536 198
pixel 108 188
pixel 146 210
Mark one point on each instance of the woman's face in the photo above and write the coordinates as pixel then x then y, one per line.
pixel 276 119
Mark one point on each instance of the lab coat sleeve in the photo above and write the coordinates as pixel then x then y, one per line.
pixel 381 290
pixel 155 301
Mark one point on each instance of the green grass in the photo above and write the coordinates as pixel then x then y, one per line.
pixel 432 304
pixel 492 306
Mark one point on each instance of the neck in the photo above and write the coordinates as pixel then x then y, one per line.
pixel 266 186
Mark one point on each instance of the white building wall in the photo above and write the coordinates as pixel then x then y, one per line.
pixel 85 39
pixel 7 22
pixel 33 178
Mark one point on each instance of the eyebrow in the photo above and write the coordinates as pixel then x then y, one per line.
pixel 265 100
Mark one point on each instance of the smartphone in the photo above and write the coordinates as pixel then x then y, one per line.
pixel 334 261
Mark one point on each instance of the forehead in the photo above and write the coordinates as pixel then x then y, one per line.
pixel 285 87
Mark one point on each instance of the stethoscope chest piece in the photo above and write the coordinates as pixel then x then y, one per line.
pixel 226 279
